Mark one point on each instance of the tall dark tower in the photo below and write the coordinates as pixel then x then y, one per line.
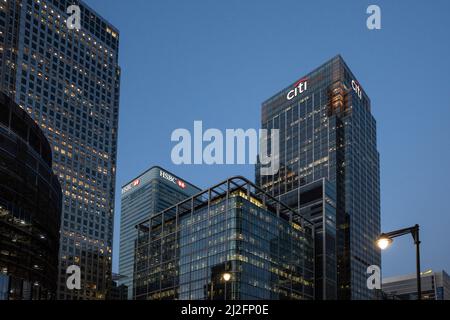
pixel 67 80
pixel 151 192
pixel 329 171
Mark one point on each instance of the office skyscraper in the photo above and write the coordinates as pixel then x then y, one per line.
pixel 327 131
pixel 68 82
pixel 151 192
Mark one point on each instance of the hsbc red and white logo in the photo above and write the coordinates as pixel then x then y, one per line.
pixel 181 184
pixel 130 186
pixel 172 179
pixel 299 87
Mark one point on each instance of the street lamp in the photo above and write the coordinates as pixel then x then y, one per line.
pixel 386 239
pixel 383 243
pixel 226 277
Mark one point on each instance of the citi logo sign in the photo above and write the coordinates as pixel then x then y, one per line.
pixel 357 88
pixel 299 87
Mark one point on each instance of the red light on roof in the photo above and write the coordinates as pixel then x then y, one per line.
pixel 300 81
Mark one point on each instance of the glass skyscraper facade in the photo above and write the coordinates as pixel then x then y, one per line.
pixel 327 131
pixel 68 82
pixel 151 192
pixel 233 227
pixel 318 205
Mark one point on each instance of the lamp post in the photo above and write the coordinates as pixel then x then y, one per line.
pixel 226 277
pixel 386 239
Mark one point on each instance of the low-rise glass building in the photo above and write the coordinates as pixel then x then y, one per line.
pixel 435 286
pixel 233 228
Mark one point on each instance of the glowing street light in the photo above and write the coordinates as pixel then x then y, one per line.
pixel 385 240
pixel 226 277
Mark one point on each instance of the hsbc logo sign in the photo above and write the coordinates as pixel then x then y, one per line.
pixel 299 87
pixel 130 186
pixel 172 179
pixel 357 88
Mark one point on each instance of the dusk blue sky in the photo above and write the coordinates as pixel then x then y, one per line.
pixel 216 61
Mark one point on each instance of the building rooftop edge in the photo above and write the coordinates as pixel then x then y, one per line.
pixel 410 276
pixel 160 168
pixel 83 3
pixel 236 177
pixel 338 56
